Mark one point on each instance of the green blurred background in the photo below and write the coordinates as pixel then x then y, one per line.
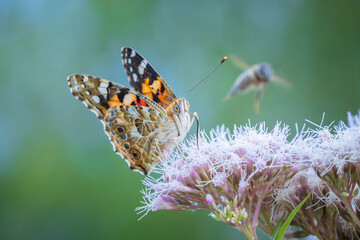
pixel 60 179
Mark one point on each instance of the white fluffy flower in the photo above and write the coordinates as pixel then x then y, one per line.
pixel 242 174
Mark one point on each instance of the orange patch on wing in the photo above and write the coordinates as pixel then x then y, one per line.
pixel 114 101
pixel 147 91
pixel 104 111
pixel 142 103
pixel 149 95
pixel 162 96
pixel 145 88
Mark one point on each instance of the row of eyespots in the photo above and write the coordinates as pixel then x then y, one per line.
pixel 135 153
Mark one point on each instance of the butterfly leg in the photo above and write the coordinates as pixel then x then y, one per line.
pixel 197 129
pixel 195 115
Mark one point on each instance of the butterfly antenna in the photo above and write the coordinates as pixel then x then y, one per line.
pixel 222 61
pixel 197 128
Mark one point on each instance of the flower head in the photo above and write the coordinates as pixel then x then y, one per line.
pixel 252 172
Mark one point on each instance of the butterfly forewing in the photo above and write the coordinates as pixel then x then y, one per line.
pixel 99 94
pixel 144 79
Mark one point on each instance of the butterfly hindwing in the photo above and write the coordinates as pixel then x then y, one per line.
pixel 144 79
pixel 132 131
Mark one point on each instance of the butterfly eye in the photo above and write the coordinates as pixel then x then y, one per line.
pixel 176 109
pixel 135 153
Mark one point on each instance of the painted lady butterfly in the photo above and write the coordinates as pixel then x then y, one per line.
pixel 142 122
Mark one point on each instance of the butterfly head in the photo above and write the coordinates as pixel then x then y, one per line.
pixel 180 113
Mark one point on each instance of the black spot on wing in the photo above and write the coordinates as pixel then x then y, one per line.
pixel 103 102
pixel 156 98
pixel 162 89
pixel 150 73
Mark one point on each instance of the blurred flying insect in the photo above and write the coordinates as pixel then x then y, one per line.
pixel 254 77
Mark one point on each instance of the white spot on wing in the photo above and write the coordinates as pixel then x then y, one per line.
pixel 87 92
pixel 96 99
pixel 132 53
pixel 86 78
pixel 135 78
pixel 91 84
pixel 129 61
pixel 131 69
pixel 76 88
pixel 74 84
pixel 102 91
pixel 142 66
pixel 103 85
pixel 127 99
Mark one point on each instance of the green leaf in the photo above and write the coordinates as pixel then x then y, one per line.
pixel 290 218
pixel 344 194
pixel 277 227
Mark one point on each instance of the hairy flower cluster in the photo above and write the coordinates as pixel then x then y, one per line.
pixel 251 177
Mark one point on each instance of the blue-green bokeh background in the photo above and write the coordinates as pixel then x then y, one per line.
pixel 60 179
